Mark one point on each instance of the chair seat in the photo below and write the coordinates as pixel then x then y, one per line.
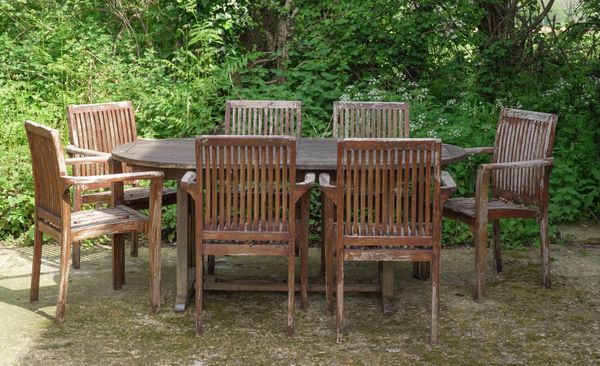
pixel 497 209
pixel 135 197
pixel 113 220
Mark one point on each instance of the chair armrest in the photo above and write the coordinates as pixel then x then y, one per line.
pixel 448 185
pixel 326 187
pixel 71 149
pixel 188 182
pixel 111 178
pixel 88 160
pixel 305 186
pixel 479 150
pixel 518 164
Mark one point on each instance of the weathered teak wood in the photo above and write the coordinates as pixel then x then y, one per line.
pixel 518 175
pixel 245 195
pixel 263 118
pixel 389 208
pixel 94 130
pixel 370 119
pixel 53 214
pixel 272 118
pixel 175 157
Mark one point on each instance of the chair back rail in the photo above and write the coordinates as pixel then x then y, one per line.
pixel 370 119
pixel 389 190
pixel 247 182
pixel 522 135
pixel 48 165
pixel 263 117
pixel 100 127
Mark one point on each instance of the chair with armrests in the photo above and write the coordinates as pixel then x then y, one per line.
pixel 370 119
pixel 388 201
pixel 519 174
pixel 53 215
pixel 245 193
pixel 94 130
pixel 273 118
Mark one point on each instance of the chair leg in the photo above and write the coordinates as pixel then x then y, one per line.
pixel 497 246
pixel 199 289
pixel 339 320
pixel 37 263
pixel 155 268
pixel 76 256
pixel 291 288
pixel 545 248
pixel 134 244
pixel 435 297
pixel 65 254
pixel 118 257
pixel 210 264
pixel 328 244
pixel 480 237
pixel 305 212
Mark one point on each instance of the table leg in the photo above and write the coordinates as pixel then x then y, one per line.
pixel 387 287
pixel 183 283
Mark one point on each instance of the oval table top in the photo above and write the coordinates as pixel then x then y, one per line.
pixel 178 154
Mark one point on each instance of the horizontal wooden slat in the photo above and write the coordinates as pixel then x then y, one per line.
pixel 388 240
pixel 114 220
pixel 245 249
pixel 245 235
pixel 387 255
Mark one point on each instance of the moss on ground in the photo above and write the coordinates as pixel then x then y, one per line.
pixel 518 323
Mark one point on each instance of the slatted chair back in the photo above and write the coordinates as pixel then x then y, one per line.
pixel 100 127
pixel 389 192
pixel 370 120
pixel 522 135
pixel 263 117
pixel 248 183
pixel 48 164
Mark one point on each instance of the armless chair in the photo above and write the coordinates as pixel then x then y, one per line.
pixel 273 118
pixel 519 175
pixel 245 195
pixel 53 214
pixel 94 130
pixel 389 203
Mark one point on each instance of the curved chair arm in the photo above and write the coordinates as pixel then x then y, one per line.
pixel 479 150
pixel 188 182
pixel 71 149
pixel 305 186
pixel 110 178
pixel 326 187
pixel 88 160
pixel 518 164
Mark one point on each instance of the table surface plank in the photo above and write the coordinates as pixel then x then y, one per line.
pixel 314 154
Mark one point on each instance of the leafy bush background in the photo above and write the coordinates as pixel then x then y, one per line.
pixel 178 61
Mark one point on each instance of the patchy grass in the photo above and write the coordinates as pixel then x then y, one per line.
pixel 518 323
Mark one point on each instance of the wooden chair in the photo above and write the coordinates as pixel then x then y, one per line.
pixel 272 118
pixel 520 173
pixel 263 118
pixel 245 194
pixel 94 130
pixel 370 119
pixel 53 214
pixel 389 208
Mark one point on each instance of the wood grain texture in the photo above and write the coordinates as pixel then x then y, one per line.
pixel 263 118
pixel 245 199
pixel 514 185
pixel 389 205
pixel 53 214
pixel 370 120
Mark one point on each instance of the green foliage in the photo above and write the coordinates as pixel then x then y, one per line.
pixel 179 61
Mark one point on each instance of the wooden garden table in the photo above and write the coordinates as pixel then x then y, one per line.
pixel 176 156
